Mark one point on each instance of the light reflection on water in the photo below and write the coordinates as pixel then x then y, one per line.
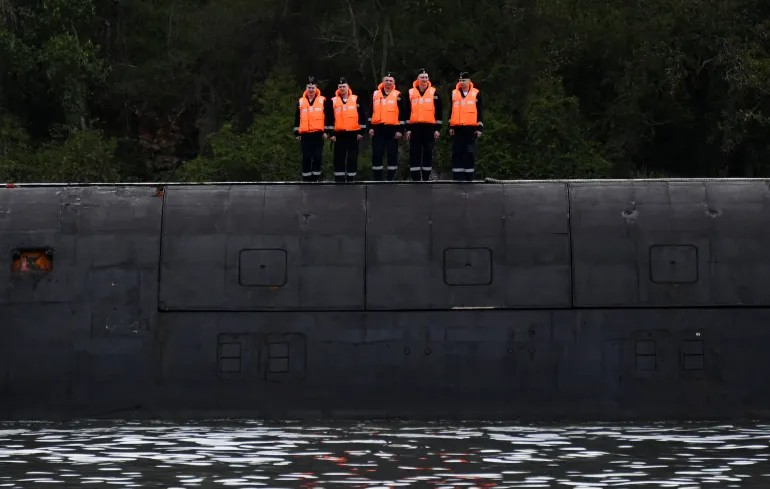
pixel 254 454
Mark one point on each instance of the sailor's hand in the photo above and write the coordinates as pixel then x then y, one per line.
pixel 408 135
pixel 333 139
pixel 299 138
pixel 360 137
pixel 451 132
pixel 436 135
pixel 478 134
pixel 371 133
pixel 399 135
pixel 326 136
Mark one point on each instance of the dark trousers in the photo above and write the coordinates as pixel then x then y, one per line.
pixel 312 144
pixel 345 156
pixel 421 144
pixel 384 140
pixel 463 153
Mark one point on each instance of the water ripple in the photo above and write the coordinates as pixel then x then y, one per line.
pixel 247 454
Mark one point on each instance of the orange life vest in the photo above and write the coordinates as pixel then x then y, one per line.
pixel 423 108
pixel 464 112
pixel 311 117
pixel 385 109
pixel 346 114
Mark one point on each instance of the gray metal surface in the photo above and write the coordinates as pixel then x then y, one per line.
pixel 670 244
pixel 447 246
pixel 85 330
pixel 588 299
pixel 263 248
pixel 592 364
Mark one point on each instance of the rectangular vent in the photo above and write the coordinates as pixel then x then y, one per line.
pixel 278 358
pixel 32 261
pixel 693 355
pixel 229 358
pixel 646 355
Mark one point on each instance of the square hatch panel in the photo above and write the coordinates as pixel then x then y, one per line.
pixel 262 268
pixel 468 266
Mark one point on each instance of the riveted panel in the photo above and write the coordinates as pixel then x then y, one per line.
pixel 33 219
pixel 450 246
pixel 670 243
pixel 93 233
pixel 85 320
pixel 263 247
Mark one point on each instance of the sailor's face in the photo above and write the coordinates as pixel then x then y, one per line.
pixel 388 82
pixel 465 84
pixel 311 90
pixel 343 88
pixel 422 79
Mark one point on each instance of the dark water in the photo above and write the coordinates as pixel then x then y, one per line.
pixel 254 454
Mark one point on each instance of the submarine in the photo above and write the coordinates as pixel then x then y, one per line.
pixel 553 299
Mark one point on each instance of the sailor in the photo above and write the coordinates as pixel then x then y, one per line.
pixel 386 126
pixel 348 130
pixel 423 126
pixel 465 126
pixel 310 126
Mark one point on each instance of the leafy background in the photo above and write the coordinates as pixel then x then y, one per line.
pixel 161 90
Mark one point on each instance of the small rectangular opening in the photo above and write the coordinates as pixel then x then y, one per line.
pixel 32 261
pixel 693 355
pixel 646 355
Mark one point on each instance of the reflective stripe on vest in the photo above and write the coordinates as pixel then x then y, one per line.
pixel 385 108
pixel 464 111
pixel 311 117
pixel 423 108
pixel 346 114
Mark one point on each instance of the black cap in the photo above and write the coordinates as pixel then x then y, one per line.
pixel 390 74
pixel 343 80
pixel 311 80
pixel 422 71
pixel 464 75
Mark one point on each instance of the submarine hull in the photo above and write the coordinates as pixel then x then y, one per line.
pixel 498 300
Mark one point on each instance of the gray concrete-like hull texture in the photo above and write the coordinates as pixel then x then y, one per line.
pixel 550 300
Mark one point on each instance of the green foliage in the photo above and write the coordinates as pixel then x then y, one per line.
pixel 557 143
pixel 84 156
pixel 52 74
pixel 14 151
pixel 267 151
pixel 189 89
pixel 72 70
